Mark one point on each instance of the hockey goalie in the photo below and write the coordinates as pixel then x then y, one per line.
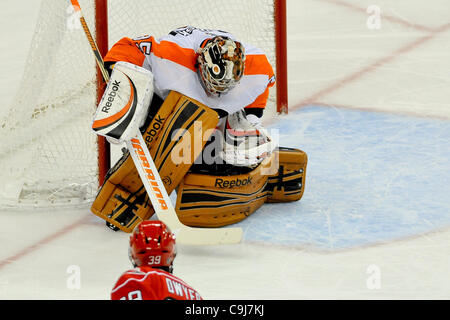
pixel 197 96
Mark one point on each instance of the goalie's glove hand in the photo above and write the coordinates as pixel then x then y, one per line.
pixel 246 142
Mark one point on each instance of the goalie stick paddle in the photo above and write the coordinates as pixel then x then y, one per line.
pixel 152 181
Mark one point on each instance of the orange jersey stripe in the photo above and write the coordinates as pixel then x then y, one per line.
pixel 125 50
pixel 173 52
pixel 257 64
pixel 129 50
pixel 261 101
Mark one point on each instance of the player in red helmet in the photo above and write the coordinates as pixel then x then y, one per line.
pixel 152 251
pixel 152 244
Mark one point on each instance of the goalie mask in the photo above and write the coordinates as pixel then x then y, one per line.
pixel 152 244
pixel 220 64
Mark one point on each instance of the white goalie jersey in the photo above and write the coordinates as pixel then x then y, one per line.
pixel 173 61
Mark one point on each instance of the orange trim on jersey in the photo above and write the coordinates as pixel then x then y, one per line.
pixel 125 50
pixel 173 52
pixel 128 50
pixel 257 64
pixel 261 101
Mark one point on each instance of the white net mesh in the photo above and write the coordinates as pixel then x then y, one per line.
pixel 48 153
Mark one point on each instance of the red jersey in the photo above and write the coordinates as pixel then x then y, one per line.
pixel 147 283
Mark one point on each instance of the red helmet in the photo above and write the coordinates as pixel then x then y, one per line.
pixel 152 244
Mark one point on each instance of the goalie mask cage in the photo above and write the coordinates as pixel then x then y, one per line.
pixel 49 155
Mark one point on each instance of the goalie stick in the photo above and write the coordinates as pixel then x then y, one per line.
pixel 152 181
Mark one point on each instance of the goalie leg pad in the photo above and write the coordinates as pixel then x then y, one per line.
pixel 125 208
pixel 207 200
pixel 288 184
pixel 180 121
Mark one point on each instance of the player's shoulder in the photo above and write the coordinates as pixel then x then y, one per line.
pixel 257 62
pixel 143 271
pixel 156 274
pixel 174 287
pixel 156 283
pixel 151 271
pixel 137 274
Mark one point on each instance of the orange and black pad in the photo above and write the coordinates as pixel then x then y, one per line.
pixel 208 200
pixel 122 200
pixel 288 184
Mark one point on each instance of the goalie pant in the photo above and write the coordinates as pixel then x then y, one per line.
pixel 173 62
pixel 147 283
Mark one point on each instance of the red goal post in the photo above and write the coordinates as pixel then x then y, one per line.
pixel 101 34
pixel 281 55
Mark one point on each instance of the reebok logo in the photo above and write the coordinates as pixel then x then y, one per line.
pixel 111 95
pixel 156 126
pixel 220 183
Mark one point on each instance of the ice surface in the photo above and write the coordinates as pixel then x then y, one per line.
pixel 371 177
pixel 369 107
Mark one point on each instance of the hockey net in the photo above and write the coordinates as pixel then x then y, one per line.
pixel 49 155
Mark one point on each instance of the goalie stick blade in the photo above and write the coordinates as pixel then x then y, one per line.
pixel 198 236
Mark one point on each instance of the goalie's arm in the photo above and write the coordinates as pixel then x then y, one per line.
pixel 127 50
pixel 258 64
